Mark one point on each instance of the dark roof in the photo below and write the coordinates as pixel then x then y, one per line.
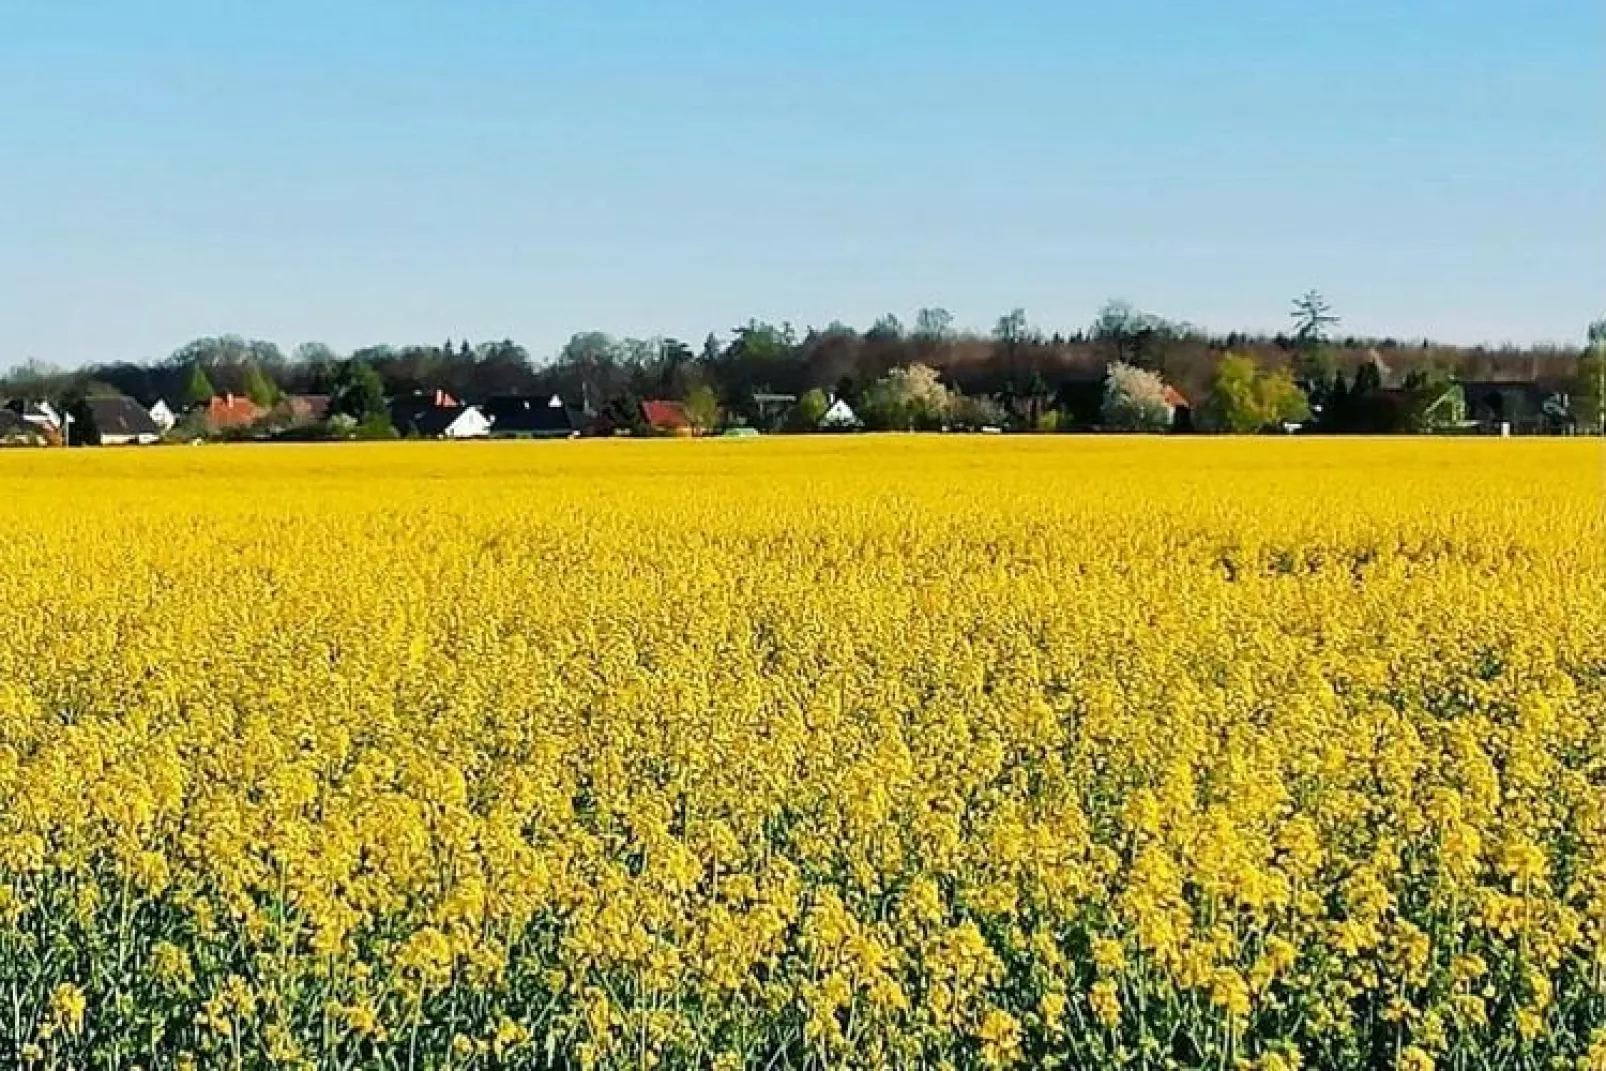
pixel 433 422
pixel 13 428
pixel 121 416
pixel 517 414
pixel 1533 388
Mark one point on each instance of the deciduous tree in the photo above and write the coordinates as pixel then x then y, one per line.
pixel 1134 400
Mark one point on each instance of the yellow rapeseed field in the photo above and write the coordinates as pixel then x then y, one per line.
pixel 911 751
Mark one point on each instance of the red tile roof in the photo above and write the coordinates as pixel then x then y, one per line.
pixel 665 414
pixel 1175 398
pixel 232 411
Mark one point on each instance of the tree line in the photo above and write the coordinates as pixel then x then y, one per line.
pixel 1017 374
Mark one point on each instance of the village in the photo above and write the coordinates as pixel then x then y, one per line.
pixel 1239 397
pixel 119 420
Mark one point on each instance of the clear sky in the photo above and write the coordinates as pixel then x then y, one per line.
pixel 361 171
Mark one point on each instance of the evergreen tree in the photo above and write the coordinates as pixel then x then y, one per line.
pixel 198 391
pixel 262 391
pixel 1336 407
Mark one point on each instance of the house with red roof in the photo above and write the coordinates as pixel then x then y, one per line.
pixel 232 411
pixel 1181 409
pixel 666 418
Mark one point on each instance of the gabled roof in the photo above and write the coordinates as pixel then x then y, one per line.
pixel 1175 398
pixel 433 422
pixel 839 413
pixel 406 410
pixel 1532 388
pixel 307 406
pixel 121 416
pixel 231 410
pixel 661 414
pixel 13 429
pixel 520 414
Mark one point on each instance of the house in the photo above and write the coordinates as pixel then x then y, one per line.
pixel 406 410
pixel 119 421
pixel 517 416
pixel 666 418
pixel 1181 409
pixel 839 416
pixel 51 424
pixel 16 431
pixel 40 413
pixel 163 416
pixel 304 408
pixel 451 422
pixel 232 411
pixel 1532 407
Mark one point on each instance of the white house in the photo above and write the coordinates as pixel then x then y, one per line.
pixel 471 423
pixel 164 417
pixel 41 414
pixel 454 422
pixel 840 415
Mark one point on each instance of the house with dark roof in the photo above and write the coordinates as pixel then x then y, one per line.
pixel 424 414
pixel 118 421
pixel 450 422
pixel 15 431
pixel 1526 407
pixel 517 416
pixel 43 416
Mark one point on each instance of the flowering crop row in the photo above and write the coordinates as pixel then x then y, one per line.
pixel 862 752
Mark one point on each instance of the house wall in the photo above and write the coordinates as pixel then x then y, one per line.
pixel 472 424
pixel 840 415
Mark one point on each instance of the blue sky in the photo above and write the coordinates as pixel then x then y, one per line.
pixel 357 171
